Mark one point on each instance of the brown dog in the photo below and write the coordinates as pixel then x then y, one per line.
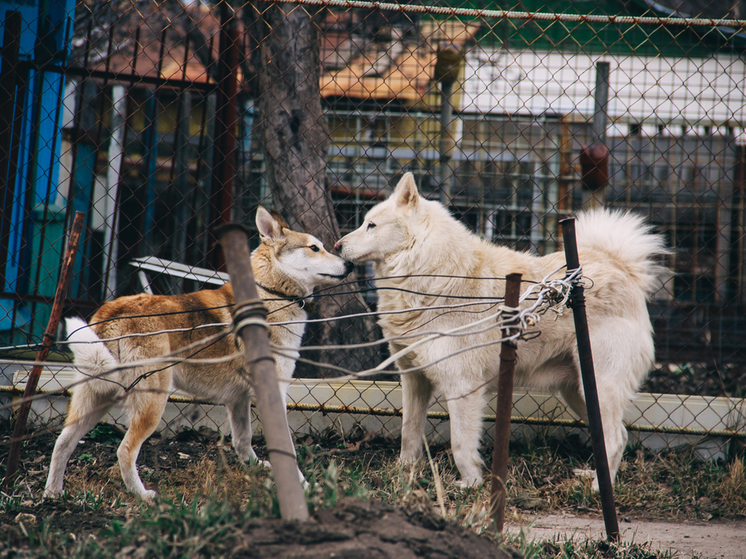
pixel 287 266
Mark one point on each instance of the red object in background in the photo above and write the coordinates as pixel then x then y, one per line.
pixel 594 166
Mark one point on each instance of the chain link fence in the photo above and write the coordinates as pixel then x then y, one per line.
pixel 163 120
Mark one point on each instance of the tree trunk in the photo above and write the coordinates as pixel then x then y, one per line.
pixel 294 137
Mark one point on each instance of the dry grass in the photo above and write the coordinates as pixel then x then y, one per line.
pixel 202 469
pixel 674 486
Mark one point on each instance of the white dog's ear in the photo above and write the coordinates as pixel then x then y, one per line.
pixel 270 229
pixel 406 193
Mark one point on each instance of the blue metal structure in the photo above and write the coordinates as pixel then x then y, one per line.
pixel 33 251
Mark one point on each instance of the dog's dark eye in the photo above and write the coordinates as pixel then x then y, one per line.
pixel 314 248
pixel 371 225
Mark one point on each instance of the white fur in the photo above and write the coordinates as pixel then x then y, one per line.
pixel 411 239
pixel 89 351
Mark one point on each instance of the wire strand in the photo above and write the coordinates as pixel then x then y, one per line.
pixel 547 294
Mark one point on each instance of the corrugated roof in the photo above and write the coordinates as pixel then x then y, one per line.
pixel 397 64
pixel 401 67
pixel 117 22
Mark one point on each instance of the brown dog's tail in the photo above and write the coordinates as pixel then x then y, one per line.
pixel 92 358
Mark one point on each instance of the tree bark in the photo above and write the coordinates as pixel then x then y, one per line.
pixel 295 139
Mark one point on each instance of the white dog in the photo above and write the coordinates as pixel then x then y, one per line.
pixel 287 266
pixel 423 257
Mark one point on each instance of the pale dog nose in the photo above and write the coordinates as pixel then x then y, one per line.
pixel 338 245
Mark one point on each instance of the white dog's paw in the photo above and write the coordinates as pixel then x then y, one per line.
pixel 408 459
pixel 254 461
pixel 583 474
pixel 50 493
pixel 467 483
pixel 149 496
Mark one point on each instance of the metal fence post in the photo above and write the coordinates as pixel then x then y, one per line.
pixel 47 342
pixel 255 335
pixel 500 452
pixel 577 303
pixel 224 147
pixel 10 103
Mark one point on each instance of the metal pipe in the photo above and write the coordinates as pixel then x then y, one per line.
pixel 739 24
pixel 601 102
pixel 9 79
pixel 224 151
pixel 446 116
pixel 577 303
pixel 500 452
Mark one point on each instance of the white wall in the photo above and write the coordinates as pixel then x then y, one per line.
pixel 673 91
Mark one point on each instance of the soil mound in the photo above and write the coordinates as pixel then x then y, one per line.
pixel 353 529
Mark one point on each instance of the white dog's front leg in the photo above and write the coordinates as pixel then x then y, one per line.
pixel 416 393
pixel 467 410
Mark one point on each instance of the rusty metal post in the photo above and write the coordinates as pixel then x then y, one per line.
pixel 594 158
pixel 601 102
pixel 446 71
pixel 500 453
pixel 577 303
pixel 224 146
pixel 250 311
pixel 47 343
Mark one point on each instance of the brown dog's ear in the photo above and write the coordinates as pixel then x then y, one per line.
pixel 279 219
pixel 270 229
pixel 406 193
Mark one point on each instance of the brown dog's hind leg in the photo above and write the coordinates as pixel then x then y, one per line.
pixel 87 407
pixel 146 409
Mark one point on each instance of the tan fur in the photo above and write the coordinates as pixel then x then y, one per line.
pixel 285 262
pixel 420 252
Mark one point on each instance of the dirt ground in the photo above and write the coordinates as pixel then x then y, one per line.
pixel 351 529
pixel 698 378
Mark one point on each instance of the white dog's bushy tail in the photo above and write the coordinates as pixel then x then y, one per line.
pixel 628 239
pixel 92 358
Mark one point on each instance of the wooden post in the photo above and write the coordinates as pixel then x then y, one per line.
pixel 255 334
pixel 500 453
pixel 47 343
pixel 577 303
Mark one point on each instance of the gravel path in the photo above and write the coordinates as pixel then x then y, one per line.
pixel 713 540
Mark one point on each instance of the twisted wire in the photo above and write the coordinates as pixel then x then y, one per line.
pixel 549 294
